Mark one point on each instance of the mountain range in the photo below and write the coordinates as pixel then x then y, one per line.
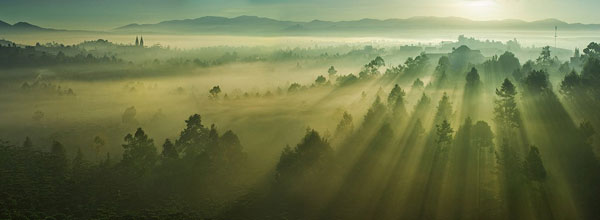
pixel 253 25
pixel 22 27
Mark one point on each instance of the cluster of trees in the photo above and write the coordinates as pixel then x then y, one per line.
pixel 442 161
pixel 14 56
pixel 198 170
pixel 42 87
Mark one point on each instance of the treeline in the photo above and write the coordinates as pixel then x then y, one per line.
pixel 14 56
pixel 191 177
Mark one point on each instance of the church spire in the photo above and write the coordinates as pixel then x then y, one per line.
pixel 141 41
pixel 137 43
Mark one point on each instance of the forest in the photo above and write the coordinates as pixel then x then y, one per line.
pixel 466 129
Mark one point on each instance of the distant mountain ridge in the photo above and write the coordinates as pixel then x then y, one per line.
pixel 22 27
pixel 261 26
pixel 254 25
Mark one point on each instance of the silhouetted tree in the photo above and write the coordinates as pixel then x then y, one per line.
pixel 129 115
pixel 346 126
pixel 139 152
pixel 332 71
pixel 320 80
pixel 444 134
pixel 169 150
pixel 396 100
pixel 193 139
pixel 422 106
pixel 571 86
pixel 545 57
pixel 473 78
pixel 214 92
pixel 310 157
pixel 505 110
pixel 375 113
pixel 587 131
pixel 444 109
pixel 534 166
pixel 482 135
pixel 508 63
pixel 418 84
pixel 537 82
pixel 230 152
pixel 294 87
pixel 592 50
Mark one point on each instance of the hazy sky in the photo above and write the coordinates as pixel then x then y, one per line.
pixel 107 14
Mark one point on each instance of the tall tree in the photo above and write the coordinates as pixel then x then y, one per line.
pixel 444 134
pixel 444 109
pixel 139 152
pixel 473 80
pixel 571 86
pixel 534 166
pixel 193 138
pixel 396 100
pixel 169 150
pixel 506 112
pixel 537 83
pixel 310 157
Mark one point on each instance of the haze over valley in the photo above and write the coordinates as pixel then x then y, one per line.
pixel 453 109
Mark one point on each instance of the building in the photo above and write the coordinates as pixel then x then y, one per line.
pixel 140 42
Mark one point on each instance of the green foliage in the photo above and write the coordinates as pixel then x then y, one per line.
pixel 294 87
pixel 192 139
pixel 347 80
pixel 444 134
pixel 345 126
pixel 332 71
pixel 417 65
pixel 320 80
pixel 371 69
pixel 422 106
pixel 508 63
pixel 482 135
pixel 591 76
pixel 506 112
pixel 537 83
pixel 214 92
pixel 375 114
pixel 545 57
pixel 444 109
pixel 418 84
pixel 534 166
pixel 592 50
pixel 169 150
pixel 310 157
pixel 571 86
pixel 139 152
pixel 473 78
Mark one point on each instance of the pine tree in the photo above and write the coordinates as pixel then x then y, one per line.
pixel 444 134
pixel 444 109
pixel 169 150
pixel 534 166
pixel 506 113
pixel 139 151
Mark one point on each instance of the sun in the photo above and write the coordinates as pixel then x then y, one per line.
pixel 479 9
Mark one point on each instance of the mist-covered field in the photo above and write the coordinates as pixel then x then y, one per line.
pixel 472 125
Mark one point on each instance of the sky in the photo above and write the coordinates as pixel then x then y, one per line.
pixel 108 14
